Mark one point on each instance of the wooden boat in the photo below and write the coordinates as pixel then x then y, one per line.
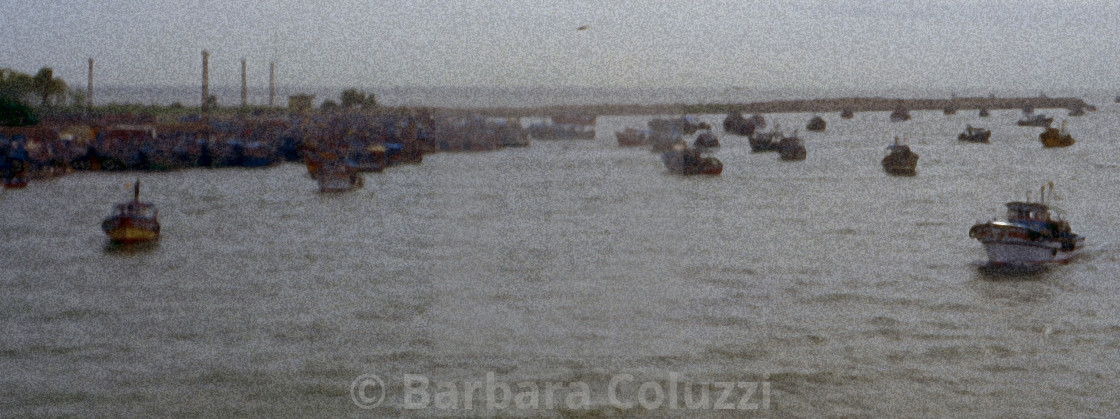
pixel 1035 120
pixel 683 160
pixel 632 137
pixel 766 141
pixel 816 124
pixel 974 135
pixel 900 114
pixel 1053 137
pixel 736 124
pixel 791 148
pixel 338 176
pixel 706 140
pixel 1029 236
pixel 900 160
pixel 132 221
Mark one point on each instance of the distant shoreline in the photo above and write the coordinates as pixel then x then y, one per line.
pixel 835 105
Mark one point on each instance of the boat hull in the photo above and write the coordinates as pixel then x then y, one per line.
pixel 1023 252
pixel 126 231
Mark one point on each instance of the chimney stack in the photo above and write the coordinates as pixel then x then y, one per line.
pixel 205 83
pixel 244 87
pixel 271 82
pixel 89 89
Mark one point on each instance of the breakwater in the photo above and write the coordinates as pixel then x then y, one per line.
pixel 855 104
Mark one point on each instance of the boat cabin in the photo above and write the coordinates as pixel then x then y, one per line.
pixel 135 209
pixel 1027 211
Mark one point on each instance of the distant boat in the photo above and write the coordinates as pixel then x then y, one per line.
pixel 765 141
pixel 950 110
pixel 1053 137
pixel 1078 111
pixel 686 125
pixel 816 124
pixel 791 148
pixel 900 114
pixel 542 131
pixel 1030 235
pixel 1036 120
pixel 632 137
pixel 337 176
pixel 132 221
pixel 984 112
pixel 736 124
pixel 900 160
pixel 974 135
pixel 847 113
pixel 689 161
pixel 706 140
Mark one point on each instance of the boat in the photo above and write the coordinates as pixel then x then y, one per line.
pixel 1053 137
pixel 337 176
pixel 900 114
pixel 816 124
pixel 632 137
pixel 900 160
pixel 1031 235
pixel 736 124
pixel 950 110
pixel 133 221
pixel 660 142
pixel 1077 111
pixel 766 141
pixel 791 148
pixel 1035 120
pixel 847 113
pixel 984 112
pixel 686 125
pixel 14 164
pixel 542 131
pixel 683 160
pixel 975 135
pixel 706 140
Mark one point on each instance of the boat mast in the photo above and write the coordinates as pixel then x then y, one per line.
pixel 136 191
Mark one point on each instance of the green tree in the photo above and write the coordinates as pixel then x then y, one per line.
pixel 14 85
pixel 352 98
pixel 47 87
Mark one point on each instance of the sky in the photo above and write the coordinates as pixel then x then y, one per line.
pixel 829 44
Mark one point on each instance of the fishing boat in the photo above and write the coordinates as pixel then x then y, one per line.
pixel 1035 120
pixel 900 114
pixel 706 140
pixel 975 135
pixel 765 141
pixel 690 161
pixel 816 124
pixel 132 221
pixel 686 125
pixel 736 124
pixel 1030 235
pixel 338 176
pixel 632 137
pixel 1053 137
pixel 900 160
pixel 791 148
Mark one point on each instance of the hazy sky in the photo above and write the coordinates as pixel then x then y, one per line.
pixel 845 44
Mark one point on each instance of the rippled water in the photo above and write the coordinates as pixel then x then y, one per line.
pixel 842 290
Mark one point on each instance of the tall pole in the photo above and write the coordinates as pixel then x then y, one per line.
pixel 205 83
pixel 271 82
pixel 244 87
pixel 89 89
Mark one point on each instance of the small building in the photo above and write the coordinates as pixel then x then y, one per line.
pixel 300 102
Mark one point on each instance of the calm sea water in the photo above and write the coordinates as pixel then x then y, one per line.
pixel 828 286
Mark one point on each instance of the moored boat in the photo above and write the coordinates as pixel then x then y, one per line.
pixel 974 135
pixel 791 148
pixel 690 161
pixel 1030 235
pixel 847 113
pixel 816 124
pixel 900 160
pixel 766 141
pixel 132 221
pixel 1035 120
pixel 900 114
pixel 706 140
pixel 1053 137
pixel 984 112
pixel 632 137
pixel 736 124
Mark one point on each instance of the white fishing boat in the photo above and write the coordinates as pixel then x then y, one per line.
pixel 1031 235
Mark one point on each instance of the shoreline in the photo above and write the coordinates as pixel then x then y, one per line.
pixel 855 104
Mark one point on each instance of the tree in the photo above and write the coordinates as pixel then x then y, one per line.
pixel 329 105
pixel 14 85
pixel 46 86
pixel 358 98
pixel 14 113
